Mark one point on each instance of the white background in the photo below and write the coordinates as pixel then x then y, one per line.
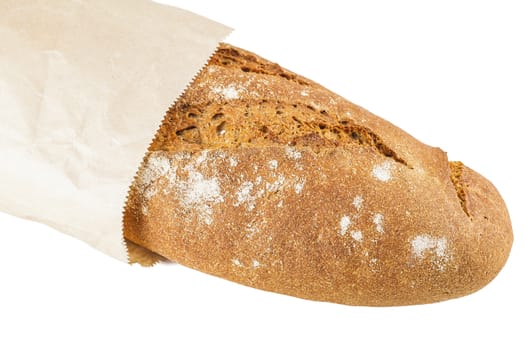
pixel 452 74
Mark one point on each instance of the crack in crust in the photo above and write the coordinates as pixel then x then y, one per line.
pixel 228 56
pixel 456 173
pixel 260 122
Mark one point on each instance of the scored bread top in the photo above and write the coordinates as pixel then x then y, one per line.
pixel 241 99
pixel 266 178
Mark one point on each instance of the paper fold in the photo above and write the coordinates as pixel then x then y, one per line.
pixel 83 88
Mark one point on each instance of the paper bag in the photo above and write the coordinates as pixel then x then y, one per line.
pixel 83 88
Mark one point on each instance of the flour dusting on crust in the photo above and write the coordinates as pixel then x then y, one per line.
pixel 292 153
pixel 196 192
pixel 344 224
pixel 244 195
pixel 378 221
pixel 382 172
pixel 299 185
pixel 200 193
pixel 157 166
pixel 437 248
pixel 357 235
pixel 277 185
pixel 229 92
pixel 358 202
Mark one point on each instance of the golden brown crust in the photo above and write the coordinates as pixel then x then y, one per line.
pixel 265 178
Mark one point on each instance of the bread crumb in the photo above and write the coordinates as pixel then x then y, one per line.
pixel 344 224
pixel 378 221
pixel 304 93
pixel 236 262
pixel 292 153
pixel 357 235
pixel 382 172
pixel 280 204
pixel 358 202
pixel 255 263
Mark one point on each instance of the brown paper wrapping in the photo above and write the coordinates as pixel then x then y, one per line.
pixel 83 87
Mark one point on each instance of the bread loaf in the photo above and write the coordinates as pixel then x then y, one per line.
pixel 265 178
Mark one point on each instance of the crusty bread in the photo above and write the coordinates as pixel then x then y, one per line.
pixel 265 178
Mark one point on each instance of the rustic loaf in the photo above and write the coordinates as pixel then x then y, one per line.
pixel 265 178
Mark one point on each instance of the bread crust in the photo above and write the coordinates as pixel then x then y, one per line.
pixel 267 179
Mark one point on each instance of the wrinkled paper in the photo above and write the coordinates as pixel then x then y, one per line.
pixel 84 86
